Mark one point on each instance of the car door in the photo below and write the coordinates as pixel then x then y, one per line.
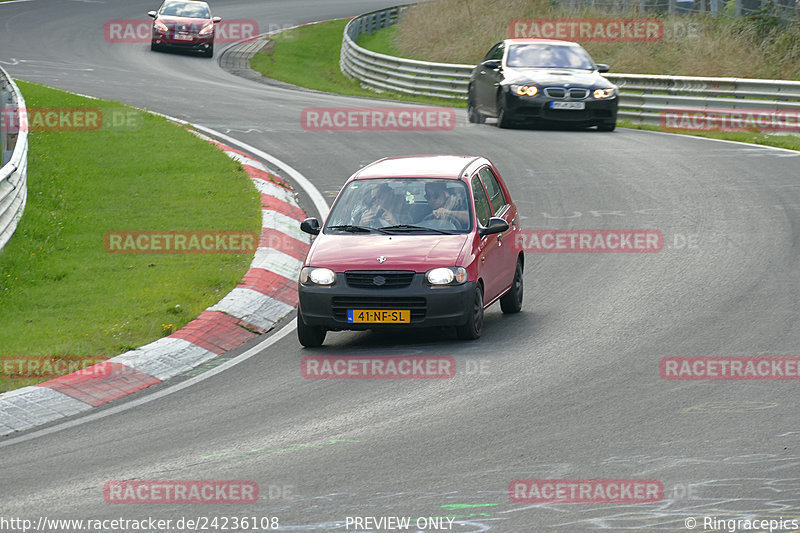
pixel 489 250
pixel 487 80
pixel 503 208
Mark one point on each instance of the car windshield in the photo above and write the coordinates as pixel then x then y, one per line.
pixel 402 205
pixel 548 56
pixel 194 10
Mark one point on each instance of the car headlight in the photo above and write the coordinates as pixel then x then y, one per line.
pixel 525 90
pixel 207 29
pixel 602 94
pixel 317 276
pixel 160 27
pixel 446 276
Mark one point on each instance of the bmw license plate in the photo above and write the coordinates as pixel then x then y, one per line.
pixel 378 316
pixel 183 37
pixel 575 106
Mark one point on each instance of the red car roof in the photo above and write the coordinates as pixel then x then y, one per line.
pixel 426 166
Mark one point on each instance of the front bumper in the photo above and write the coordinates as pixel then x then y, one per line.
pixel 198 43
pixel 430 306
pixel 537 108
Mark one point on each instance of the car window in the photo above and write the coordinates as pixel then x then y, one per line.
pixel 189 10
pixel 496 196
pixel 482 210
pixel 435 203
pixel 549 56
pixel 496 52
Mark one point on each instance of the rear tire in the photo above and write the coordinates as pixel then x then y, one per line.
pixel 472 114
pixel 474 326
pixel 309 336
pixel 511 302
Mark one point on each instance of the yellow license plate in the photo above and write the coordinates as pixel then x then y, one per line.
pixel 379 316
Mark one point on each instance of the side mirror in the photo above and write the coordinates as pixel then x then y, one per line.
pixel 602 67
pixel 152 14
pixel 216 19
pixel 495 225
pixel 310 226
pixel 493 64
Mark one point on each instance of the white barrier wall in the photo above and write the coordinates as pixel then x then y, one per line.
pixel 13 156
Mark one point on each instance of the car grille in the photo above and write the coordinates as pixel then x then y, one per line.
pixel 379 279
pixel 341 304
pixel 560 92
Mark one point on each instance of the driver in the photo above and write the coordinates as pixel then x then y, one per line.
pixel 445 203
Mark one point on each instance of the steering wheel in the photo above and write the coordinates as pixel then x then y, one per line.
pixel 453 221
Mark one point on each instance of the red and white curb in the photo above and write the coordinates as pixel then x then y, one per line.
pixel 266 294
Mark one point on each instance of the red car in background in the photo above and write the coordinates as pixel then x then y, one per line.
pixel 184 24
pixel 412 241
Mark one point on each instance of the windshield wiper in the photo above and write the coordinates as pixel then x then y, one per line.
pixel 355 229
pixel 409 227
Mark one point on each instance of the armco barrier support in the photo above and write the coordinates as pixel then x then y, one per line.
pixel 643 98
pixel 13 157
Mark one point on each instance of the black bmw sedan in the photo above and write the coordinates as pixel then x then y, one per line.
pixel 541 80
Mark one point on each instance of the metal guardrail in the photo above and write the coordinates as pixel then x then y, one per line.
pixel 13 156
pixel 643 98
pixel 383 72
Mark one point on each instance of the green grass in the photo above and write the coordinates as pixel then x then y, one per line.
pixel 382 41
pixel 61 293
pixel 309 57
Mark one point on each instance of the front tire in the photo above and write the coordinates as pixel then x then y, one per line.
pixel 309 336
pixel 607 126
pixel 503 120
pixel 474 326
pixel 210 51
pixel 511 302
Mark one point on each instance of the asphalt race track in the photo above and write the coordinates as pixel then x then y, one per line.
pixel 569 389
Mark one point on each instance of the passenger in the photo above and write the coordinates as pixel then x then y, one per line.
pixel 384 208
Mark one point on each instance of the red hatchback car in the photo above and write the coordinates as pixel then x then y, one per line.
pixel 413 241
pixel 184 24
